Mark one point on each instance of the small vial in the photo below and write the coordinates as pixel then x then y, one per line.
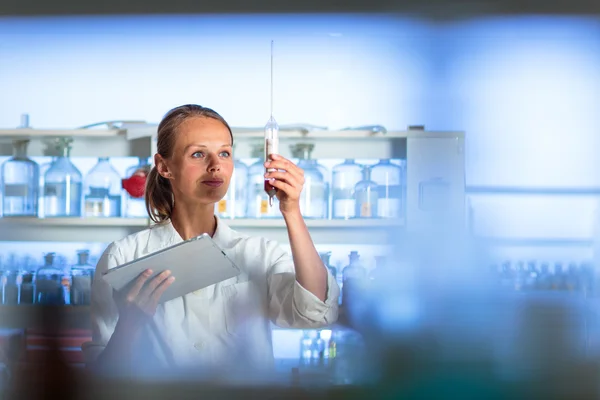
pixel 271 147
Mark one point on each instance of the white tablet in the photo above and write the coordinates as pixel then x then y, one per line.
pixel 195 263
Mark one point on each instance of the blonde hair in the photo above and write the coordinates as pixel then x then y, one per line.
pixel 159 194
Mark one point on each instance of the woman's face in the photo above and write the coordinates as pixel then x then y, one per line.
pixel 201 165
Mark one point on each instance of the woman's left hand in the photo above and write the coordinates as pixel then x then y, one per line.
pixel 288 180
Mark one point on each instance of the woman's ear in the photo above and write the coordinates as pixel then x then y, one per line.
pixel 162 167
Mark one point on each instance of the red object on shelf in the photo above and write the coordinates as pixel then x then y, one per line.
pixel 135 185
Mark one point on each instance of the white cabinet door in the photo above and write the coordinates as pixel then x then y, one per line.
pixel 435 181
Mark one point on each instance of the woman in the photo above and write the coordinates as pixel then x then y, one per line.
pixel 227 323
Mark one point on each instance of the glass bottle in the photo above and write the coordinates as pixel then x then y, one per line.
pixel 354 276
pixel 82 275
pixel 26 280
pixel 345 176
pixel 366 196
pixel 233 205
pixel 388 177
pixel 62 187
pixel 305 348
pixel 102 191
pixel 48 282
pixel 317 349
pixel 325 257
pixel 9 289
pixel 314 195
pixel 43 169
pixel 258 199
pixel 135 204
pixel 20 183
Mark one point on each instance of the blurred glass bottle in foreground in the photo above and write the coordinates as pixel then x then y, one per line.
pixel 62 186
pixel 135 188
pixel 102 191
pixel 345 176
pixel 19 183
pixel 315 193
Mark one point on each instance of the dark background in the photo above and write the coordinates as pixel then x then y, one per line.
pixel 435 9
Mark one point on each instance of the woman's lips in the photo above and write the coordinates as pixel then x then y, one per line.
pixel 213 183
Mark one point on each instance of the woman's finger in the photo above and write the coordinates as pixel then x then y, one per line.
pixel 287 178
pixel 286 165
pixel 139 282
pixel 147 291
pixel 286 188
pixel 161 289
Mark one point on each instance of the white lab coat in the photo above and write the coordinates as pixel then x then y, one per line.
pixel 223 324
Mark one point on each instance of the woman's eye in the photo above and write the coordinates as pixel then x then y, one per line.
pixel 225 154
pixel 197 154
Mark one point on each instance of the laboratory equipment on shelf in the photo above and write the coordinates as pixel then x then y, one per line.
pixel 305 348
pixel 43 169
pixel 51 286
pixel 134 187
pixel 258 199
pixel 389 178
pixel 314 196
pixel 317 348
pixel 233 205
pixel 345 176
pixel 354 278
pixel 82 276
pixel 366 196
pixel 102 191
pixel 62 186
pixel 19 183
pixel 9 287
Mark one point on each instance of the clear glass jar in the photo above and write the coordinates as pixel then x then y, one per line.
pixel 314 196
pixel 389 178
pixel 366 196
pixel 135 206
pixel 345 176
pixel 102 191
pixel 19 183
pixel 234 204
pixel 62 187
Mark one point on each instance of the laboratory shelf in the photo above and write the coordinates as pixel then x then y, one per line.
pixel 106 230
pixel 324 231
pixel 532 191
pixel 75 229
pixel 29 133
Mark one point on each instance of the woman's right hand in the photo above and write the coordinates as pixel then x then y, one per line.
pixel 138 303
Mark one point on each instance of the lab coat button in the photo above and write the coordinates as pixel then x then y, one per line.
pixel 199 345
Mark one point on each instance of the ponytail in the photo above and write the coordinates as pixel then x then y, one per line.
pixel 159 197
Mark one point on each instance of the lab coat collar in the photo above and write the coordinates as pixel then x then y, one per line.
pixel 164 234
